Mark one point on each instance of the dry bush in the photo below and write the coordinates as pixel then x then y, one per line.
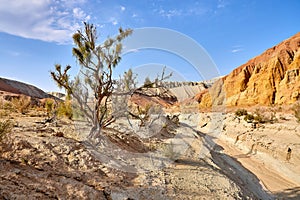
pixel 141 113
pixel 8 106
pixel 266 116
pixel 64 109
pixel 4 113
pixel 262 116
pixel 256 117
pixel 296 110
pixel 5 127
pixel 249 118
pixel 49 106
pixel 241 112
pixel 22 104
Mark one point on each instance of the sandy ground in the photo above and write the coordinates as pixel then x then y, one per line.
pixel 207 156
pixel 264 152
pixel 196 167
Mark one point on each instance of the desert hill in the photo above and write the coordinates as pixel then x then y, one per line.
pixel 270 78
pixel 16 87
pixel 231 158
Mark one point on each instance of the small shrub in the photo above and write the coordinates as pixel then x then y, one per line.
pixel 296 110
pixel 266 117
pixel 21 104
pixel 145 110
pixel 64 109
pixel 148 83
pixel 5 127
pixel 241 112
pixel 144 114
pixel 249 118
pixel 273 117
pixel 49 105
pixel 256 117
pixel 8 106
pixel 4 113
pixel 283 118
pixel 77 113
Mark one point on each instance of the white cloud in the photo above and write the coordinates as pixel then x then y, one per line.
pixel 101 26
pixel 237 48
pixel 222 4
pixel 113 21
pixel 71 3
pixel 123 8
pixel 52 21
pixel 185 10
pixel 170 13
pixel 80 14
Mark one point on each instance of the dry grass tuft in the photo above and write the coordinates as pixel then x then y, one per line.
pixel 5 127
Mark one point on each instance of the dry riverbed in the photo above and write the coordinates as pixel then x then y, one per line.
pixel 200 158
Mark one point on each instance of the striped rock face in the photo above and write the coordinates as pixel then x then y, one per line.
pixel 270 78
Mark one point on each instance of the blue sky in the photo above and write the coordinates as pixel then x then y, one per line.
pixel 36 34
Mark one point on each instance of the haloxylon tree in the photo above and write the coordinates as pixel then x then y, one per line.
pixel 93 87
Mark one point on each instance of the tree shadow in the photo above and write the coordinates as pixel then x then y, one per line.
pixel 290 193
pixel 230 167
pixel 244 178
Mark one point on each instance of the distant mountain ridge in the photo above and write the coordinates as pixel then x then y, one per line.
pixel 270 78
pixel 17 87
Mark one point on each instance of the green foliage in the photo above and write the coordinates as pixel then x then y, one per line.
pixel 129 81
pixel 158 81
pixel 261 116
pixel 259 119
pixel 62 79
pixel 94 83
pixel 249 118
pixel 148 83
pixel 77 113
pixel 241 112
pixel 64 109
pixel 254 118
pixel 49 105
pixel 5 127
pixel 123 89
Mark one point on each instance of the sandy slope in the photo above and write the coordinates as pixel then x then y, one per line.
pixel 187 163
pixel 199 169
pixel 270 178
pixel 16 87
pixel 263 151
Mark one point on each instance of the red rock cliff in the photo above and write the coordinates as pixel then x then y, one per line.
pixel 270 78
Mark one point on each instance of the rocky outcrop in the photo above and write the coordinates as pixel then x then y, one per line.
pixel 270 78
pixel 156 95
pixel 58 95
pixel 16 87
pixel 175 84
pixel 188 91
